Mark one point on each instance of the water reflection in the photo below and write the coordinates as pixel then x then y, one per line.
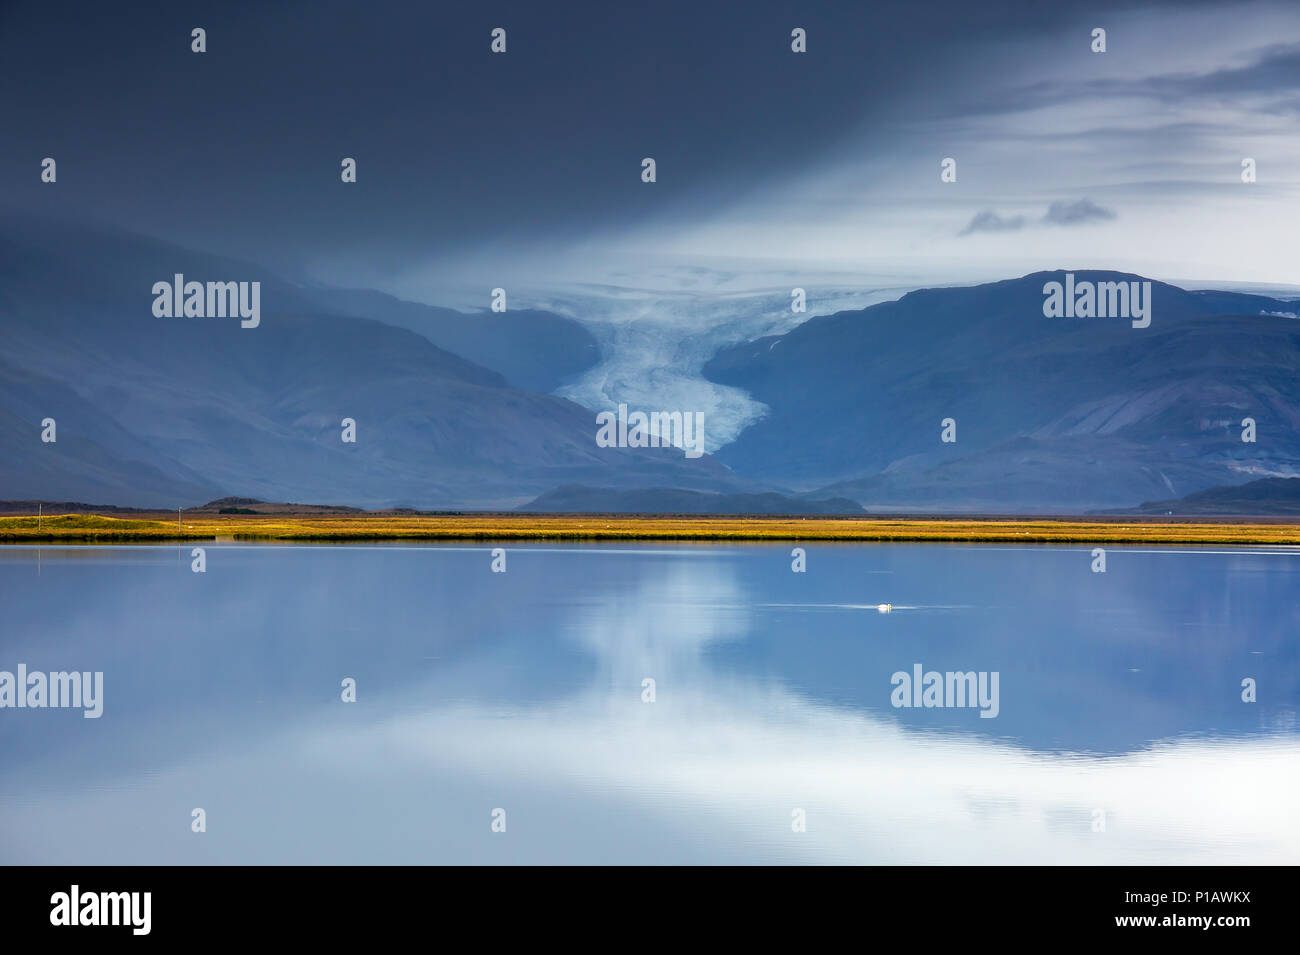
pixel 1120 706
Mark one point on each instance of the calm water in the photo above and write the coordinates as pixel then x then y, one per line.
pixel 1119 705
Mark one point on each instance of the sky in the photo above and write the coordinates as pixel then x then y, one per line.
pixel 478 169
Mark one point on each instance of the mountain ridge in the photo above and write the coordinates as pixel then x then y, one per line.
pixel 1050 414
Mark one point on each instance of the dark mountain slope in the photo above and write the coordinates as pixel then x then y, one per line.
pixel 531 349
pixel 1267 497
pixel 1052 413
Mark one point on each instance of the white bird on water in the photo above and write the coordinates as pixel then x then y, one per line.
pixel 885 608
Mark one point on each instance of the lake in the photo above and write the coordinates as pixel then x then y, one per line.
pixel 510 717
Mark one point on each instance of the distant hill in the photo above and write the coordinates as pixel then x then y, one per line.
pixel 1267 497
pixel 577 499
pixel 10 508
pixel 250 505
pixel 224 505
pixel 1052 414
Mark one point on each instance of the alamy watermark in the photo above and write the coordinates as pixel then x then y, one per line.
pixel 58 690
pixel 657 429
pixel 182 299
pixel 951 689
pixel 1087 299
pixel 75 907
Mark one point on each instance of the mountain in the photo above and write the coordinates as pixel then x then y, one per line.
pixel 531 349
pixel 577 499
pixel 1267 497
pixel 160 412
pixel 1052 414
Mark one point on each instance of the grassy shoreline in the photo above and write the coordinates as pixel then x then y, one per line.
pixel 101 529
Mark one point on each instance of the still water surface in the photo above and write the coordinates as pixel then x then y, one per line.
pixel 1121 735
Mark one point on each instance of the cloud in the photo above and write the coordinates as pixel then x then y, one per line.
pixel 1076 213
pixel 990 221
pixel 1274 71
pixel 1062 213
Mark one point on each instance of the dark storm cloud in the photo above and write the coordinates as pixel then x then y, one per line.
pixel 238 149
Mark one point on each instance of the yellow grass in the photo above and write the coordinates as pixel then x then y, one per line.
pixel 71 528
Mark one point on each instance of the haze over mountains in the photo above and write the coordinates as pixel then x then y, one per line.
pixel 453 410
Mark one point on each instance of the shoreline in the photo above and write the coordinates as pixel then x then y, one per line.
pixel 101 529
